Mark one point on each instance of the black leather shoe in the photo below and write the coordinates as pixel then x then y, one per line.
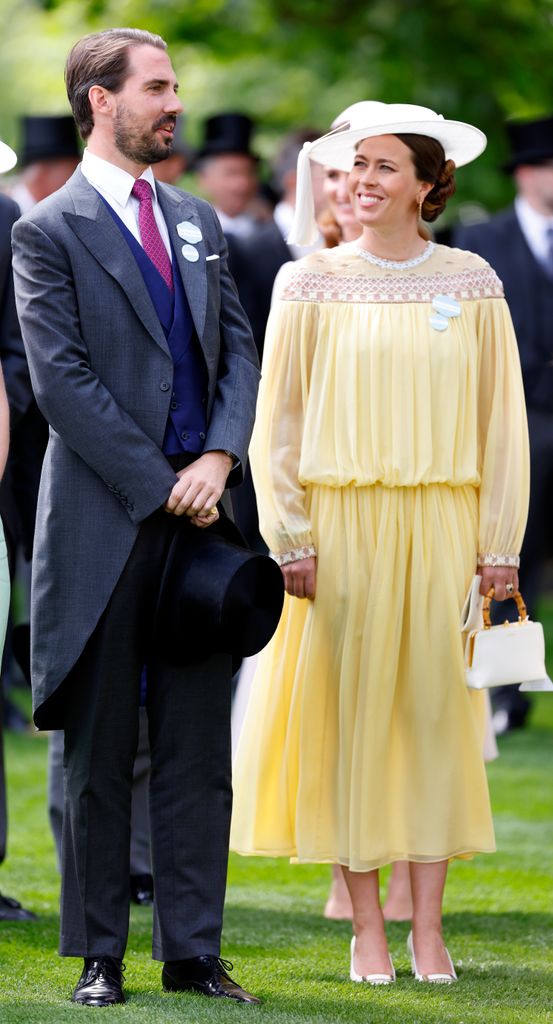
pixel 101 983
pixel 11 910
pixel 205 974
pixel 142 890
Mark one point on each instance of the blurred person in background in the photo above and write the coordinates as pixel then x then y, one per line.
pixel 285 176
pixel 181 159
pixel 518 243
pixel 12 405
pixel 49 154
pixel 228 171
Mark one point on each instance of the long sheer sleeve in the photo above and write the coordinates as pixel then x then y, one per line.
pixel 277 438
pixel 502 438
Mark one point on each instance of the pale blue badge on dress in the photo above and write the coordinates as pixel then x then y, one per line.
pixel 444 306
pixel 189 232
pixel 190 253
pixel 439 323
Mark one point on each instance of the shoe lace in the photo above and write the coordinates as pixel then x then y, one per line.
pixel 106 966
pixel 225 965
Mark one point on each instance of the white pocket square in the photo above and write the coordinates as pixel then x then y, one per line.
pixel 214 257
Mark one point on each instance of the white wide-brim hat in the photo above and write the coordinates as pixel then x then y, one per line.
pixel 461 143
pixel 8 158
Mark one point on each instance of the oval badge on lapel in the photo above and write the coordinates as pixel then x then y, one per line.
pixel 189 232
pixel 190 253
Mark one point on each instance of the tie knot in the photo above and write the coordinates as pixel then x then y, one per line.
pixel 142 190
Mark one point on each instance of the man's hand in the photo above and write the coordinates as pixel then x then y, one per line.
pixel 199 488
pixel 300 578
pixel 497 576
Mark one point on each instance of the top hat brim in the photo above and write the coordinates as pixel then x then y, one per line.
pixel 8 158
pixel 216 595
pixel 530 157
pixel 222 148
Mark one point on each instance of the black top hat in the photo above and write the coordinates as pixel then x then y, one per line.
pixel 216 595
pixel 227 133
pixel 531 142
pixel 48 138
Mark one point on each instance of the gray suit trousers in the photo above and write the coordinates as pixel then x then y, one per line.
pixel 140 816
pixel 190 785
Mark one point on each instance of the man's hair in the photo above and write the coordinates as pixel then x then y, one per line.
pixel 101 59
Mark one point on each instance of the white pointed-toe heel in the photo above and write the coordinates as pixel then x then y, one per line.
pixel 371 979
pixel 434 979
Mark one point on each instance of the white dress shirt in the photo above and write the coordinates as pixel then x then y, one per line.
pixel 115 186
pixel 534 227
pixel 242 225
pixel 21 195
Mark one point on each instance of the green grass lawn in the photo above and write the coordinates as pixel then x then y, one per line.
pixel 498 920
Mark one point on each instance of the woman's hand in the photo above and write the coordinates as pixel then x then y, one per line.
pixel 498 576
pixel 300 577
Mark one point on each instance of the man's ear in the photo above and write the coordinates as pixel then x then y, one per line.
pixel 101 100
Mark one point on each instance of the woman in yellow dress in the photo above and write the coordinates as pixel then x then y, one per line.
pixel 390 457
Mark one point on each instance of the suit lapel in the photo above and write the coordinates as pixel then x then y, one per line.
pixel 176 208
pixel 520 252
pixel 97 230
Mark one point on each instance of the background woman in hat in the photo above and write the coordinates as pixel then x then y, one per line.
pixel 390 454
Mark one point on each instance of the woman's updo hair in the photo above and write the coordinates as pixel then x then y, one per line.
pixel 431 166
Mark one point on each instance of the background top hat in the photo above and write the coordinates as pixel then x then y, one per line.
pixel 48 137
pixel 531 142
pixel 216 595
pixel 227 133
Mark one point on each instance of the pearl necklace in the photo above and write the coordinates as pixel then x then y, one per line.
pixel 397 264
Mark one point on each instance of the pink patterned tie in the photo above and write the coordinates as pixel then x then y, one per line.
pixel 152 241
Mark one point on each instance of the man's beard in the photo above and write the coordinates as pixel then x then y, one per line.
pixel 137 145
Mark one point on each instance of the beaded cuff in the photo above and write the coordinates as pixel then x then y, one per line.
pixel 491 558
pixel 296 555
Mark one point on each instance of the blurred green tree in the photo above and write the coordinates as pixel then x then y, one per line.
pixel 291 63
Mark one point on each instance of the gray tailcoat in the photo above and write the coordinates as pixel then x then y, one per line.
pixel 102 375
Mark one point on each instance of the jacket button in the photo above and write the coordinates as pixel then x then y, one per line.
pixel 185 436
pixel 174 405
pixel 164 386
pixel 202 436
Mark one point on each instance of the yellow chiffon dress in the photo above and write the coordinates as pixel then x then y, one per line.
pixel 396 449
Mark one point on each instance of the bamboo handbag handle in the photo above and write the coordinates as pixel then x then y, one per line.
pixel 517 596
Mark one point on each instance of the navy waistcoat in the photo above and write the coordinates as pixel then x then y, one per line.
pixel 187 421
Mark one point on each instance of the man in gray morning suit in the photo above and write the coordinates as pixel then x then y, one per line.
pixel 143 364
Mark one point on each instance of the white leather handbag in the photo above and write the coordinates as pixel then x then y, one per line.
pixel 511 654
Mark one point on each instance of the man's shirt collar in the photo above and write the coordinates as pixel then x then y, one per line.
pixel 112 180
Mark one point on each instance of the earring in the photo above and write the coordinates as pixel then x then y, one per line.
pixel 420 208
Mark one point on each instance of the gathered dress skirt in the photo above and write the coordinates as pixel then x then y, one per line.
pixel 361 743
